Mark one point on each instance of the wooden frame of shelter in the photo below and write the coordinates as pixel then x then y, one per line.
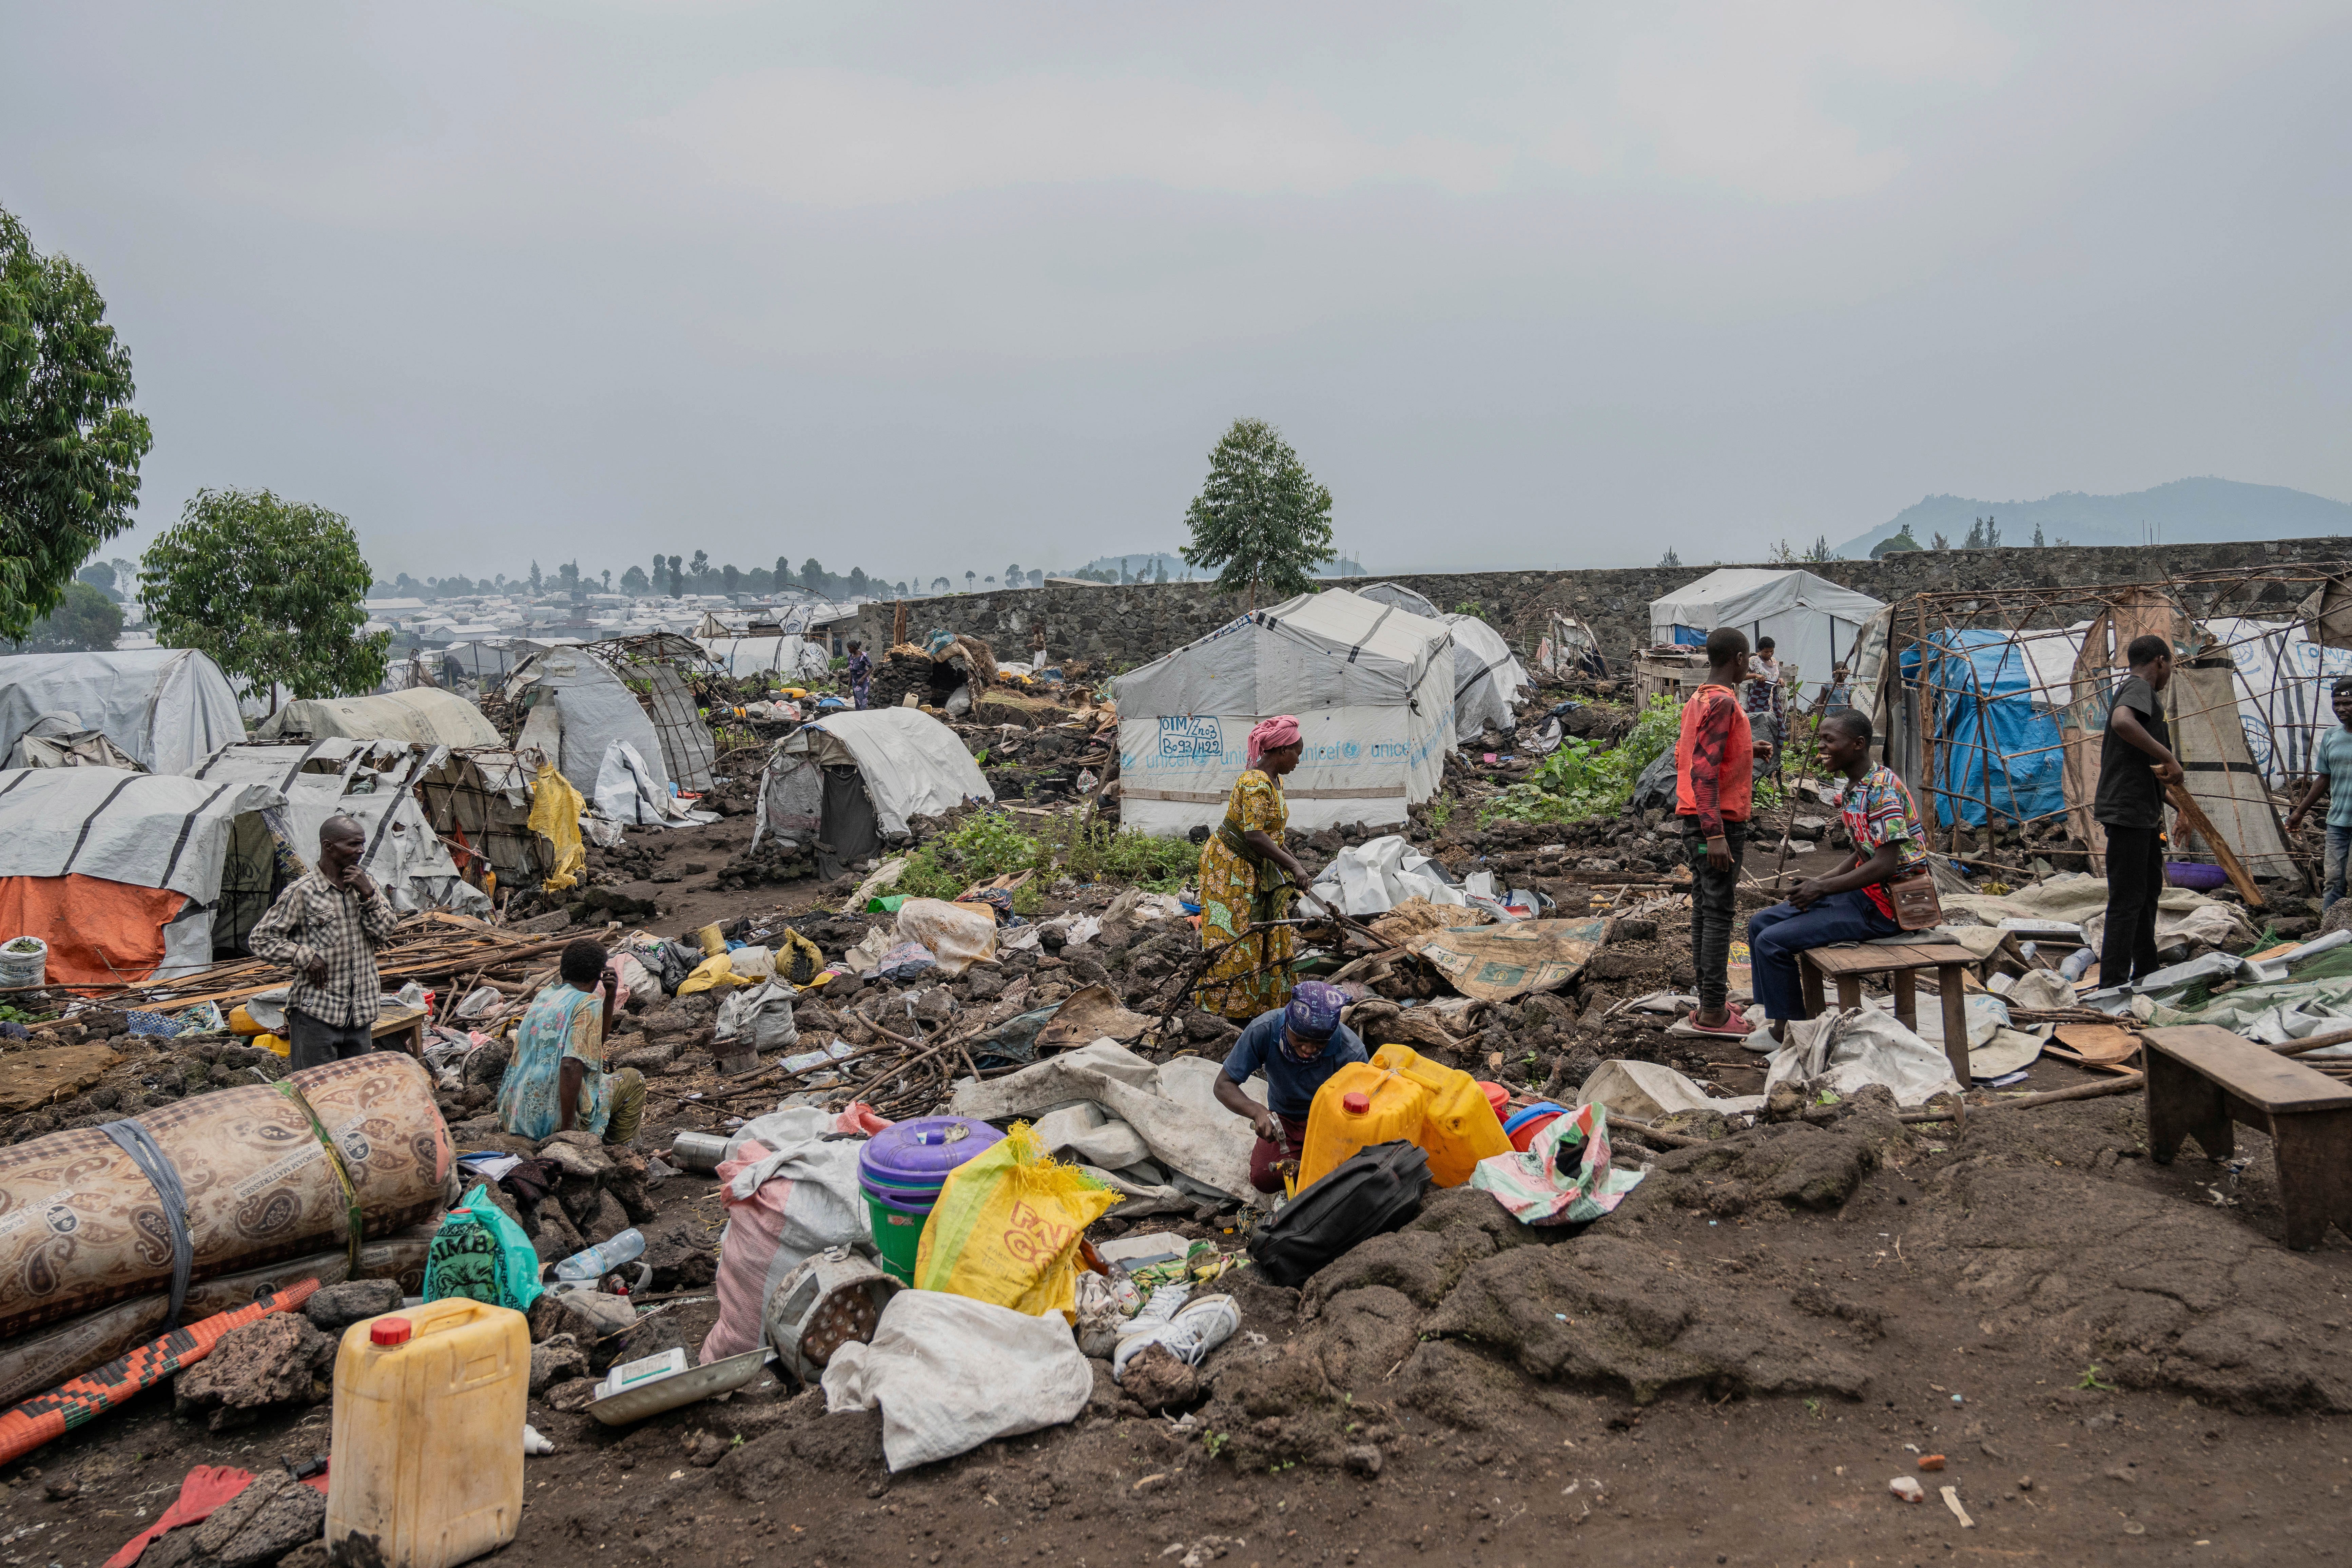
pixel 2218 673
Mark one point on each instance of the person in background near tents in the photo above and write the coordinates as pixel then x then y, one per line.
pixel 557 1081
pixel 1766 713
pixel 860 673
pixel 1713 787
pixel 2334 775
pixel 1838 693
pixel 1297 1046
pixel 1038 646
pixel 2135 761
pixel 1851 905
pixel 324 929
pixel 1247 879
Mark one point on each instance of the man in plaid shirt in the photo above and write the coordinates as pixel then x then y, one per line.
pixel 324 929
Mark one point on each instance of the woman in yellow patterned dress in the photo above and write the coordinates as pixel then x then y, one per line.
pixel 1247 877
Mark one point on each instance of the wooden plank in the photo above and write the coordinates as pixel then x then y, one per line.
pixel 2194 815
pixel 2099 1043
pixel 2256 1074
pixel 1865 960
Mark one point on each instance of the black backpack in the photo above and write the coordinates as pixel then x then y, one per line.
pixel 1361 1198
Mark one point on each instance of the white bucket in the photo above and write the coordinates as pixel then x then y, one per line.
pixel 21 968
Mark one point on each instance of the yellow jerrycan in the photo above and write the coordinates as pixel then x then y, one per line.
pixel 1357 1106
pixel 429 1409
pixel 1459 1127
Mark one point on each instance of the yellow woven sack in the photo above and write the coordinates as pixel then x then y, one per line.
pixel 555 809
pixel 713 972
pixel 1007 1227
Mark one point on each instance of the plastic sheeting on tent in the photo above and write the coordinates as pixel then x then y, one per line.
pixel 594 709
pixel 1487 675
pixel 1987 677
pixel 368 781
pixel 2283 681
pixel 911 765
pixel 1372 688
pixel 423 715
pixel 1812 621
pixel 795 658
pixel 169 708
pixel 85 852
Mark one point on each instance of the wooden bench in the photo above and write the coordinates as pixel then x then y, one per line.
pixel 407 1023
pixel 2202 1081
pixel 1901 964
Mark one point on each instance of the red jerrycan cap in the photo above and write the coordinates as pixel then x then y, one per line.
pixel 389 1332
pixel 1354 1102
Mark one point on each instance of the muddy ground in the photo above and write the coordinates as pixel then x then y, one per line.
pixel 2118 1361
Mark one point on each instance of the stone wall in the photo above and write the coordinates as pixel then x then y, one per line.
pixel 1117 627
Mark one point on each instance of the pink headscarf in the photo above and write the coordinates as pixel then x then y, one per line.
pixel 1272 735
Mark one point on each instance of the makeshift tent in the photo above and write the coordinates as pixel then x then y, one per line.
pixel 1813 622
pixel 1487 675
pixel 424 715
pixel 853 779
pixel 2284 683
pixel 795 658
pixel 479 801
pixel 169 708
pixel 1569 648
pixel 118 872
pixel 1997 736
pixel 1372 686
pixel 58 740
pixel 583 699
pixel 371 781
pixel 485 662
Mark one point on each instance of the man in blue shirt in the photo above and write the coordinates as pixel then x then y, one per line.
pixel 2332 771
pixel 1298 1047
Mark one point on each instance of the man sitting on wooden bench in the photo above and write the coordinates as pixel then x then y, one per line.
pixel 1844 905
pixel 2202 1081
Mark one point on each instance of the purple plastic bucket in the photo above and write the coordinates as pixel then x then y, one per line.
pixel 2194 875
pixel 918 1154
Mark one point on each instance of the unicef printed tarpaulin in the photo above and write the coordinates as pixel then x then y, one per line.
pixel 1987 695
pixel 1372 688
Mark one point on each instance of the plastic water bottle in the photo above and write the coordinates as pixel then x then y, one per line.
pixel 2077 962
pixel 601 1259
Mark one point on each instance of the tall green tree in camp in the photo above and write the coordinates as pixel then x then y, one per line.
pixel 1260 518
pixel 677 585
pixel 635 581
pixel 273 590
pixel 70 442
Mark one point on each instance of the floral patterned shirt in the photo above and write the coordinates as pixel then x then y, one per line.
pixel 1878 811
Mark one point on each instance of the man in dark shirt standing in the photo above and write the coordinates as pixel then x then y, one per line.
pixel 2135 761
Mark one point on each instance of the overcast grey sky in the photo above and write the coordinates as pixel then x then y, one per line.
pixel 938 287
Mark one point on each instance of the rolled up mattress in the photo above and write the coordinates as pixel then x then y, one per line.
pixel 82 1226
pixel 31 1363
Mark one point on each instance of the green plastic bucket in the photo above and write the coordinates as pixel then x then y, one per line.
pixel 898 1235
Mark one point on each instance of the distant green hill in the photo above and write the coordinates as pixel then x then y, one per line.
pixel 2186 511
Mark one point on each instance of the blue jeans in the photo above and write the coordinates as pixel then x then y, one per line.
pixel 1775 937
pixel 2339 850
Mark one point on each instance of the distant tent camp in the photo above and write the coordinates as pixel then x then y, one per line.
pixel 168 708
pixel 1814 622
pixel 423 715
pixel 1370 684
pixel 853 779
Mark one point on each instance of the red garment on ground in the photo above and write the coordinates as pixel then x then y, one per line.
pixel 1714 763
pixel 207 1490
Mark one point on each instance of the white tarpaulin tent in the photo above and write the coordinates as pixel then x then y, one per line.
pixel 1813 620
pixel 794 658
pixel 169 708
pixel 118 872
pixel 1372 686
pixel 366 780
pixel 910 763
pixel 424 714
pixel 1487 675
pixel 593 708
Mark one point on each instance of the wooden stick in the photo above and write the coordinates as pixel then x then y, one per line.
pixel 2194 815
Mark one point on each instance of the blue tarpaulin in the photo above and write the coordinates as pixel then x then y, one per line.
pixel 1977 675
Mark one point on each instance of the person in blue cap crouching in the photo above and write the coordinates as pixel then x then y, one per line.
pixel 1297 1047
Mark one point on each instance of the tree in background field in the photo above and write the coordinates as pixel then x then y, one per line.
pixel 1670 558
pixel 677 585
pixel 2038 542
pixel 699 571
pixel 1013 577
pixel 69 444
pixel 635 581
pixel 969 581
pixel 608 579
pixel 1893 545
pixel 1780 554
pixel 86 620
pixel 1821 550
pixel 567 577
pixel 1036 578
pixel 940 585
pixel 1260 516
pixel 536 586
pixel 272 590
pixel 1985 534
